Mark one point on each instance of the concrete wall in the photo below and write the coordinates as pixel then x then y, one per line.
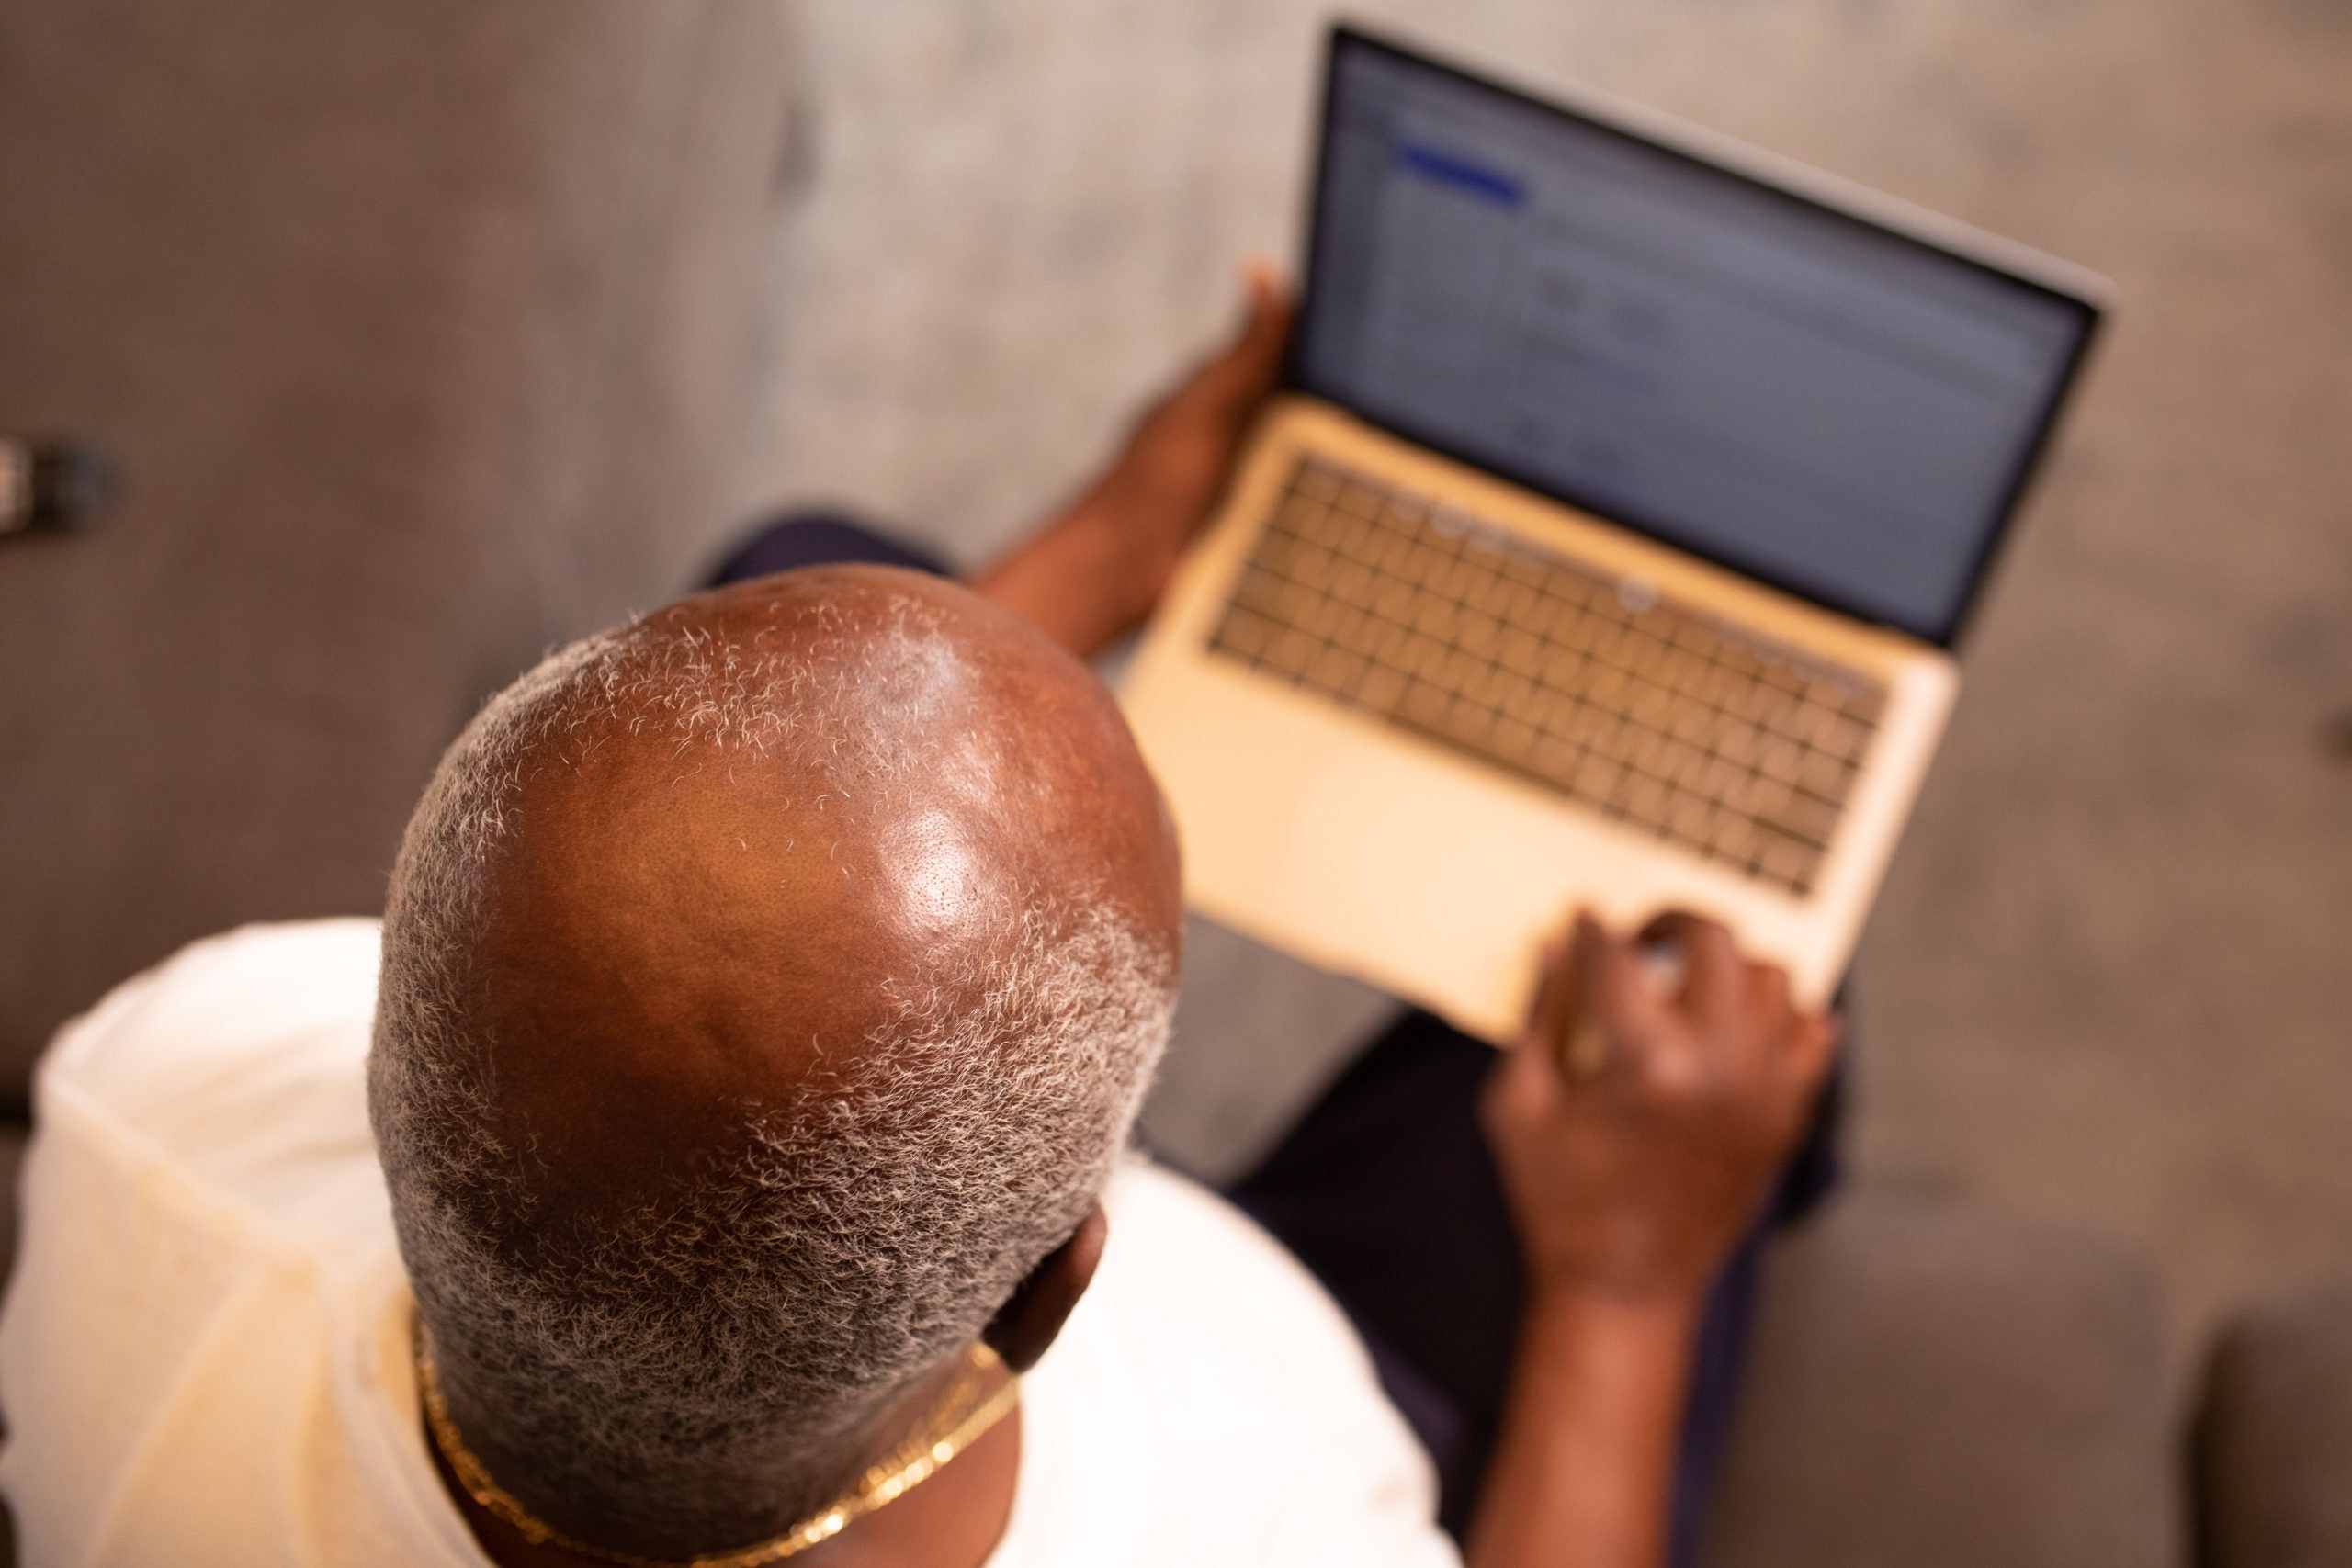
pixel 420 334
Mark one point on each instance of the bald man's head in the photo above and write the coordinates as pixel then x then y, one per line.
pixel 767 987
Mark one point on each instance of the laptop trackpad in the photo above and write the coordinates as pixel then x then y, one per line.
pixel 1453 877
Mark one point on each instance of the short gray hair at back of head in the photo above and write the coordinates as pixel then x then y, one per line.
pixel 870 1224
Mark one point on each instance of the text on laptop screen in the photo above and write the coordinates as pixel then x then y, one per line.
pixel 1822 403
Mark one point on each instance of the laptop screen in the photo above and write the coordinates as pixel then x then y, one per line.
pixel 1781 387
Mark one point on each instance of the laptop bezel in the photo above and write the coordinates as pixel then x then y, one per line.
pixel 2084 293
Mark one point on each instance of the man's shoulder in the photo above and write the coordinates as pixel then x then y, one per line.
pixel 243 994
pixel 1206 1302
pixel 207 1321
pixel 1177 1247
pixel 234 1072
pixel 1208 1403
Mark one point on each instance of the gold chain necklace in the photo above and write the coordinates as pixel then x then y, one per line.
pixel 964 1414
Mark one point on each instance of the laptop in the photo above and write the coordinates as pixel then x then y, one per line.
pixel 1606 545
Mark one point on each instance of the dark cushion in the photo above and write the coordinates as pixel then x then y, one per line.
pixel 1934 1384
pixel 2273 1439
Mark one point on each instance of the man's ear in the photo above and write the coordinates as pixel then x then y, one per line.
pixel 1026 1324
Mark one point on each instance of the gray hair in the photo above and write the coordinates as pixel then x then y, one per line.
pixel 872 1221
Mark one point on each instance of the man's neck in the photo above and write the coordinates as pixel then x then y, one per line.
pixel 954 1519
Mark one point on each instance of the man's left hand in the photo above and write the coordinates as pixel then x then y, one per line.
pixel 1092 574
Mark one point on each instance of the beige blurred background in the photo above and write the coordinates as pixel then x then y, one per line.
pixel 2108 984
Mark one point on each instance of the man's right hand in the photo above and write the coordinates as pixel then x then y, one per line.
pixel 1637 1131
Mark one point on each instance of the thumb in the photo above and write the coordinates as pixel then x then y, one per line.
pixel 1249 366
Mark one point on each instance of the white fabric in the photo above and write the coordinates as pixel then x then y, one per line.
pixel 203 1355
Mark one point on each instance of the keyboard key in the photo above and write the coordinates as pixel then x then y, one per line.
pixel 1521 650
pixel 1596 777
pixel 1381 691
pixel 1824 776
pixel 1691 816
pixel 1336 670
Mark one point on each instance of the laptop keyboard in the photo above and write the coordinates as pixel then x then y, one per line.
pixel 1659 714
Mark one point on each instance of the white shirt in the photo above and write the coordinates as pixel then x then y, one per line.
pixel 204 1354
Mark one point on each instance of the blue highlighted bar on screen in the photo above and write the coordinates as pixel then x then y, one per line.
pixel 1449 170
